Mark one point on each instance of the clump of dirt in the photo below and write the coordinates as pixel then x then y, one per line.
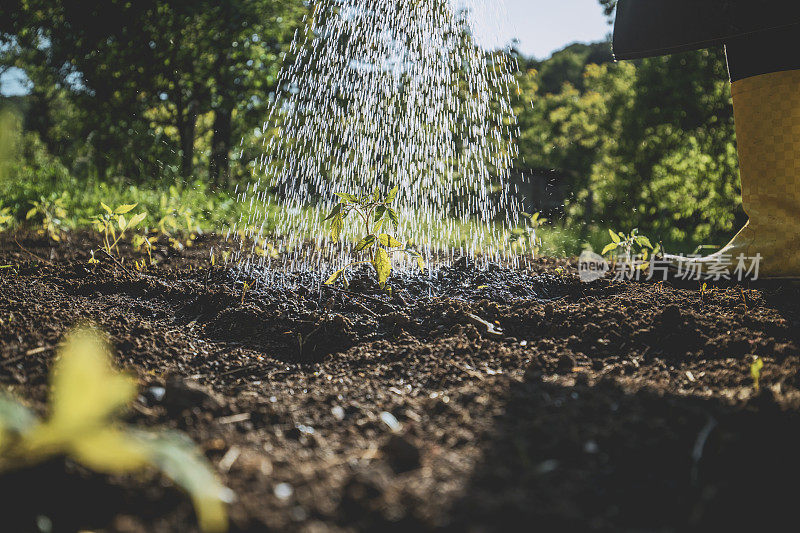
pixel 481 399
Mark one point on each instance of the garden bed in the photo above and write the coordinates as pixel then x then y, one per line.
pixel 483 399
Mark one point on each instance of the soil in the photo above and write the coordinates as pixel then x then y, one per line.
pixel 470 400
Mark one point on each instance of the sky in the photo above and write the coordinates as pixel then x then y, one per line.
pixel 540 26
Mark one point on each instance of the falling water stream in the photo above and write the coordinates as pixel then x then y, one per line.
pixel 383 93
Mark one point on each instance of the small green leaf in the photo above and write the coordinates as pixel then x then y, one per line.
pixel 755 372
pixel 136 219
pixel 389 241
pixel 383 266
pixel 121 210
pixel 177 457
pixel 608 248
pixel 379 212
pixel 644 241
pixel 376 195
pixel 392 194
pixel 336 227
pixel 393 216
pixel 334 277
pixel 421 263
pixel 365 243
pixel 31 213
pixel 107 209
pixel 336 210
pixel 614 236
pixel 122 222
pixel 349 198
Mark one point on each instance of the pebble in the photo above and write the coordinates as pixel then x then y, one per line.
pixel 283 491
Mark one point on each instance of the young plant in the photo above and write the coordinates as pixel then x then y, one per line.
pixel 5 218
pixel 626 248
pixel 52 214
pixel 180 227
pixel 86 394
pixel 755 373
pixel 113 224
pixel 523 239
pixel 377 215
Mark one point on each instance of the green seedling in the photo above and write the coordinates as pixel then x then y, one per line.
pixel 52 214
pixel 523 239
pixel 755 373
pixel 180 227
pixel 377 215
pixel 113 224
pixel 626 248
pixel 5 218
pixel 86 395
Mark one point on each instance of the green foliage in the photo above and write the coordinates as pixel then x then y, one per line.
pixel 86 394
pixel 377 214
pixel 162 87
pixel 755 373
pixel 112 224
pixel 51 212
pixel 638 144
pixel 524 238
pixel 628 248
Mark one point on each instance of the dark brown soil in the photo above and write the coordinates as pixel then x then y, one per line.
pixel 602 406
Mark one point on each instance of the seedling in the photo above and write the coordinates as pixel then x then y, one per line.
pixel 755 373
pixel 180 227
pixel 5 218
pixel 86 394
pixel 627 248
pixel 113 225
pixel 52 213
pixel 377 214
pixel 523 239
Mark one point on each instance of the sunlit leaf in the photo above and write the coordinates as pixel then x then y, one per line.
pixel 347 197
pixel 336 227
pixel 176 456
pixel 392 216
pixel 123 224
pixel 383 266
pixel 136 219
pixel 336 210
pixel 608 248
pixel 109 450
pixel 379 212
pixel 392 194
pixel 85 389
pixel 421 263
pixel 614 236
pixel 389 241
pixel 107 209
pixel 334 277
pixel 124 209
pixel 364 243
pixel 644 241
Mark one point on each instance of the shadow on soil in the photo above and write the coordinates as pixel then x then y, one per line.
pixel 598 457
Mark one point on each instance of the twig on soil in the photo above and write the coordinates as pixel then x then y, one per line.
pixel 123 267
pixel 31 253
pixel 34 351
pixel 359 295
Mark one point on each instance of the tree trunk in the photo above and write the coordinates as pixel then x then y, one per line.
pixel 219 165
pixel 186 129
